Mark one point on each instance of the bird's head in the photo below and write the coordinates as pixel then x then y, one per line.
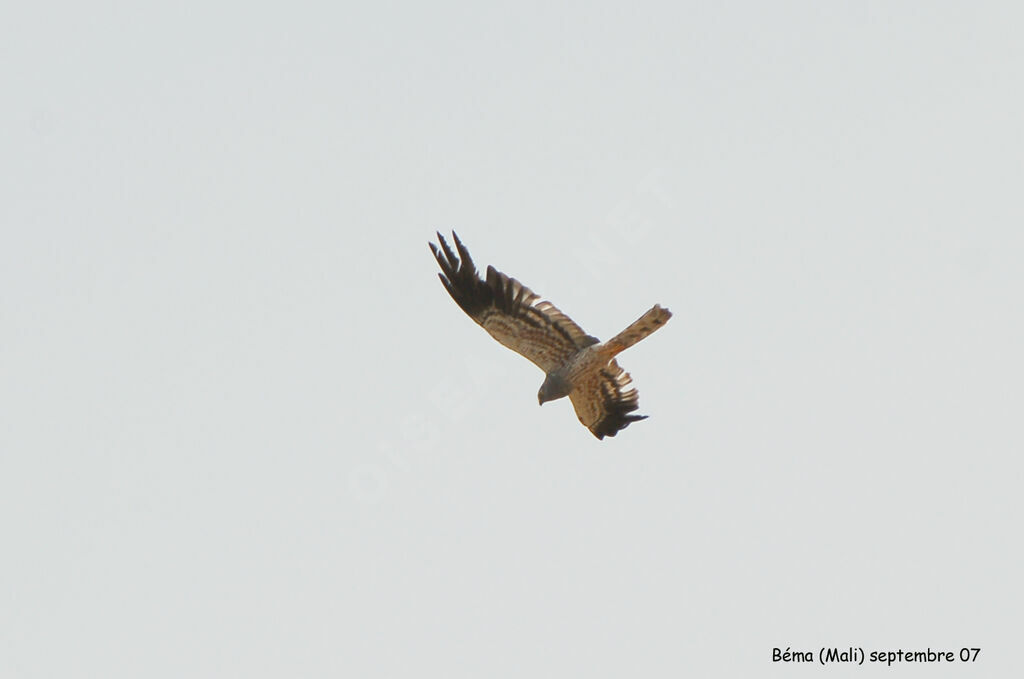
pixel 555 386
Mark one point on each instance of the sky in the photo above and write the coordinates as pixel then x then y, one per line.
pixel 245 432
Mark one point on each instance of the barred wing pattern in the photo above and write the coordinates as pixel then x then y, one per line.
pixel 509 310
pixel 604 401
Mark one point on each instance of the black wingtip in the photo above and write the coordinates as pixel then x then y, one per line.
pixel 613 425
pixel 620 404
pixel 460 277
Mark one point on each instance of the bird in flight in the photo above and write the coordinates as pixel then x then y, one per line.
pixel 576 364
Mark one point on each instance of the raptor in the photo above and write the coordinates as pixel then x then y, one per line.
pixel 576 364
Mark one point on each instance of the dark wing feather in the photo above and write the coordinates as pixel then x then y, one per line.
pixel 509 310
pixel 604 400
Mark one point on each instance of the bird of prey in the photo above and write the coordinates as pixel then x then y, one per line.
pixel 576 364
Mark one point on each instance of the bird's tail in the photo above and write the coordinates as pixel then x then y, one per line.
pixel 656 317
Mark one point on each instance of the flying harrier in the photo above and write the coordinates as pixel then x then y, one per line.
pixel 577 365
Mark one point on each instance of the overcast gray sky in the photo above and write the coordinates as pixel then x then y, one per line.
pixel 245 432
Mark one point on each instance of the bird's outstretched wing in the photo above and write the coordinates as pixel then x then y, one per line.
pixel 508 310
pixel 604 401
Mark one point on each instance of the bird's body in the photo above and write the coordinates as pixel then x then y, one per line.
pixel 576 364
